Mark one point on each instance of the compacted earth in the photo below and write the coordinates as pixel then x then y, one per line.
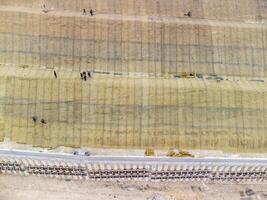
pixel 15 187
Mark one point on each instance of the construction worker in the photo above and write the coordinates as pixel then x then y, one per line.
pixel 44 8
pixel 43 121
pixel 91 12
pixel 89 74
pixel 55 74
pixel 34 119
pixel 84 11
pixel 189 14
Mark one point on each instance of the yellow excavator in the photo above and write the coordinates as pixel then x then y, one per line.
pixel 149 152
pixel 180 154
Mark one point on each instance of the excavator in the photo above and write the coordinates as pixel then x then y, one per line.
pixel 180 154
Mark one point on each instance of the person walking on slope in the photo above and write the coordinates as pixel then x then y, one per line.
pixel 89 74
pixel 189 14
pixel 84 11
pixel 55 74
pixel 91 12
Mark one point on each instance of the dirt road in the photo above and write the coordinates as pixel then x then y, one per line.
pixel 32 188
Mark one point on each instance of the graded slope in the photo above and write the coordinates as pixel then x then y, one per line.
pixel 137 50
pixel 239 10
pixel 124 43
pixel 133 112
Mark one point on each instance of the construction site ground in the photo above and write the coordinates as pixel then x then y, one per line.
pixel 131 112
pixel 132 43
pixel 31 188
pixel 136 51
pixel 7 144
pixel 121 109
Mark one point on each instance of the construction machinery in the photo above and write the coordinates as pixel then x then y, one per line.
pixel 172 153
pixel 149 152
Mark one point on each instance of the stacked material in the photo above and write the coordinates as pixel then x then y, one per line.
pixel 138 168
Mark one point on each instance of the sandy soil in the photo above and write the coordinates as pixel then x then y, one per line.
pixel 32 188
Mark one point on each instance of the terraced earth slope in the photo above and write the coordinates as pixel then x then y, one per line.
pixel 137 52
